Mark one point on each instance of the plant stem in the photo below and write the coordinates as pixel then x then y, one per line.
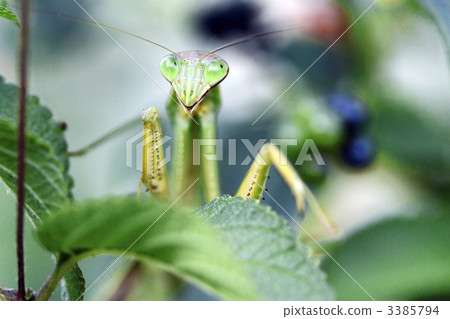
pixel 62 266
pixel 21 148
pixel 45 292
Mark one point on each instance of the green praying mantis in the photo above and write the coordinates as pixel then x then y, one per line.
pixel 193 105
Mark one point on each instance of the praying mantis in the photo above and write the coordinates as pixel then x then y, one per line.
pixel 192 105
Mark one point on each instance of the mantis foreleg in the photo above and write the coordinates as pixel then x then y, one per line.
pixel 254 182
pixel 154 173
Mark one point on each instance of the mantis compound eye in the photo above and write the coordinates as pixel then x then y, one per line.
pixel 215 71
pixel 170 67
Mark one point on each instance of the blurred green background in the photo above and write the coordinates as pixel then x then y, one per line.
pixel 391 205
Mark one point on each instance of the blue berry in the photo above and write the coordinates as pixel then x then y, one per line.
pixel 359 151
pixel 234 18
pixel 353 111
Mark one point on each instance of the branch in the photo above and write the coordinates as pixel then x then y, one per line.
pixel 21 148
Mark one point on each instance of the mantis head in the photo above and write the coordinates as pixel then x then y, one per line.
pixel 192 74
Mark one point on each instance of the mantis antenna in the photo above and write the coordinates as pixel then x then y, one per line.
pixel 251 37
pixel 230 44
pixel 104 26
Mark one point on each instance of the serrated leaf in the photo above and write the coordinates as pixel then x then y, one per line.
pixel 279 264
pixel 39 123
pixel 47 180
pixel 7 13
pixel 171 238
pixel 73 284
pixel 396 259
pixel 45 186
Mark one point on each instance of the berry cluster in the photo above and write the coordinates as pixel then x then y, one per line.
pixel 338 127
pixel 358 149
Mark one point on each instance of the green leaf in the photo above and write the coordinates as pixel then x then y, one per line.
pixel 73 284
pixel 151 230
pixel 47 182
pixel 5 12
pixel 45 186
pixel 396 259
pixel 279 264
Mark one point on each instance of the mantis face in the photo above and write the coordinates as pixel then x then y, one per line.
pixel 192 74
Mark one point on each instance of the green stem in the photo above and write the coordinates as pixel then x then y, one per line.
pixel 62 266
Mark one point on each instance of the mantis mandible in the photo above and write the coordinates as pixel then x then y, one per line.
pixel 193 105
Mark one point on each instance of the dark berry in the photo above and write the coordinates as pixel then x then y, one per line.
pixel 359 151
pixel 233 18
pixel 353 111
pixel 63 125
